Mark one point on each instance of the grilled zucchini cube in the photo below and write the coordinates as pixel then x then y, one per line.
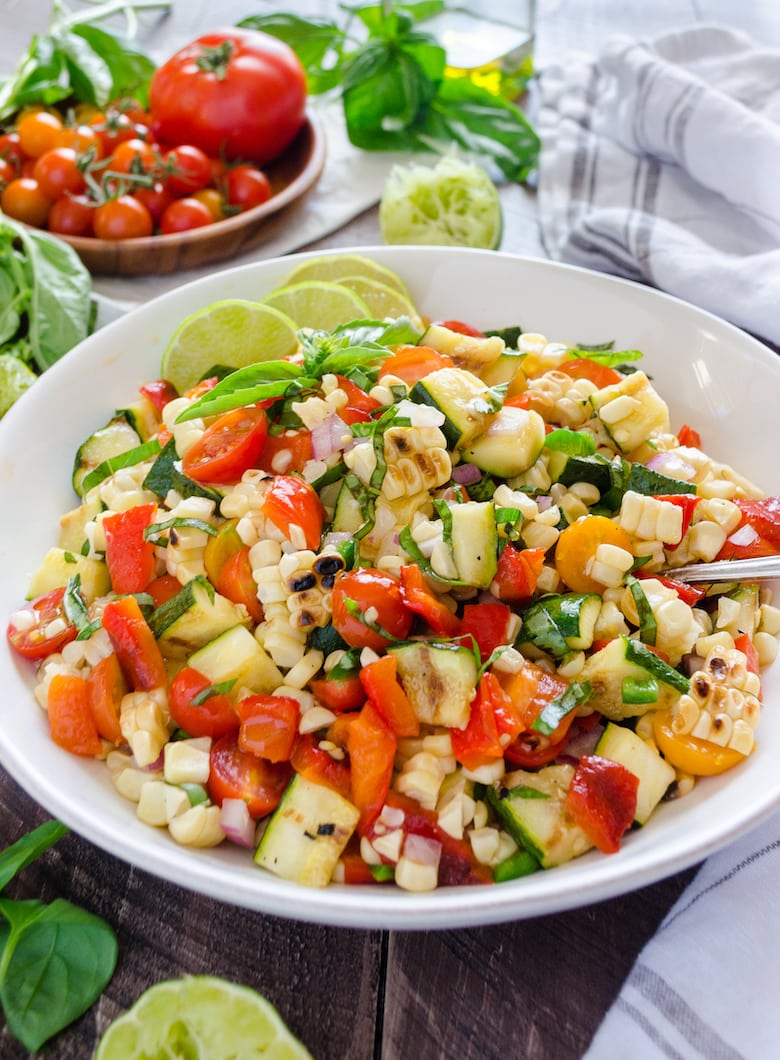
pixel 622 745
pixel 59 566
pixel 463 398
pixel 512 443
pixel 475 542
pixel 193 617
pixel 236 656
pixel 439 680
pixel 627 660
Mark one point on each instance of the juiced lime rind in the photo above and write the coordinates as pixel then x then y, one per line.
pixel 234 333
pixel 201 1018
pixel 318 304
pixel 452 203
pixel 15 378
pixel 382 301
pixel 333 268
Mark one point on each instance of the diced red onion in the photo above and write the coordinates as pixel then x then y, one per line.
pixel 157 764
pixel 236 823
pixel 746 535
pixel 329 437
pixel 584 742
pixel 672 465
pixel 692 662
pixel 423 851
pixel 466 474
pixel 543 503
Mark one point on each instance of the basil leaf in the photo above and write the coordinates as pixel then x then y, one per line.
pixel 556 710
pixel 130 458
pixel 164 476
pixel 605 355
pixel 28 848
pixel 90 78
pixel 232 394
pixel 129 69
pixel 312 39
pixel 155 529
pixel 212 690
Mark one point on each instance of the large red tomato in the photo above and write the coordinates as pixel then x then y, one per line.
pixel 234 93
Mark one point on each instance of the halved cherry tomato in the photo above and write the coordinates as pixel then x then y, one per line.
pixel 214 716
pixel 371 746
pixel 129 556
pixel 286 452
pixel 418 598
pixel 237 584
pixel 488 624
pixel 461 328
pixel 163 588
pixel 34 641
pixel 357 398
pixel 517 573
pixel 600 375
pixel 291 501
pixel 269 725
pixel 107 686
pixel 700 758
pixel 236 774
pixel 70 715
pixel 602 800
pixel 361 594
pixel 228 447
pixel 576 547
pixel 413 363
pixel 339 694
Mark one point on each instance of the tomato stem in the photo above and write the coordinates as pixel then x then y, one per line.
pixel 215 60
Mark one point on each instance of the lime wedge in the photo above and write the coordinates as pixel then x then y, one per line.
pixel 382 301
pixel 318 304
pixel 333 268
pixel 453 203
pixel 201 1018
pixel 15 378
pixel 233 333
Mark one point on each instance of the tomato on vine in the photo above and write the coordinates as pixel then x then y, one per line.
pixel 185 214
pixel 122 218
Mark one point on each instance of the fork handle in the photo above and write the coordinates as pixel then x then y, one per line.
pixel 760 568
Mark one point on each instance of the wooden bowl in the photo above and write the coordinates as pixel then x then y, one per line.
pixel 291 175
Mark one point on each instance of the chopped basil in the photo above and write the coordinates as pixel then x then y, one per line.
pixel 554 712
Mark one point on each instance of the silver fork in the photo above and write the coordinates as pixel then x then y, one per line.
pixel 761 568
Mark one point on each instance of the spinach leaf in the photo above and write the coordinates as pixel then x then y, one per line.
pixel 27 849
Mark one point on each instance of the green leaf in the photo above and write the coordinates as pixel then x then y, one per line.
pixel 556 710
pixel 164 476
pixel 604 354
pixel 90 77
pixel 56 961
pixel 318 43
pixel 129 68
pixel 14 858
pixel 41 76
pixel 129 458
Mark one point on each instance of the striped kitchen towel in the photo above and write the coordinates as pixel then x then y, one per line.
pixel 704 987
pixel 661 162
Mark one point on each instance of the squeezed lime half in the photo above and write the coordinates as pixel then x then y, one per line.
pixel 15 378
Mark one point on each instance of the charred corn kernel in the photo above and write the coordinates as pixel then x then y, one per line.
pixel 116 761
pixel 471 352
pixel 97 647
pixel 650 519
pixel 609 565
pixel 417 460
pixel 766 646
pixel 187 761
pixel 420 779
pixel 438 744
pixel 631 411
pixel 484 844
pixel 549 517
pixel 389 845
pixel 285 645
pixel 704 541
pixel 315 410
pixel 560 399
pixel 721 706
pixel 143 720
pixel 316 718
pixel 160 802
pixel 184 434
pixel 198 827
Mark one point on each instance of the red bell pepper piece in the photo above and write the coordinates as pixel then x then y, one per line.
pixel 689 437
pixel 318 766
pixel 133 641
pixel 380 682
pixel 530 690
pixel 129 557
pixel 269 725
pixel 70 715
pixel 488 624
pixel 107 686
pixel 236 582
pixel 286 452
pixel 372 747
pixel 687 502
pixel 517 574
pixel 479 741
pixel 418 598
pixel 602 800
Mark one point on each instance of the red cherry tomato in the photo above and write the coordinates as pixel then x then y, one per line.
pixel 72 215
pixel 246 186
pixel 234 93
pixel 156 199
pixel 185 214
pixel 11 150
pixel 57 173
pixel 462 328
pixel 212 716
pixel 189 169
pixel 24 200
pixel 228 447
pixel 292 501
pixel 366 600
pixel 237 774
pixel 49 628
pixel 122 218
pixel 269 725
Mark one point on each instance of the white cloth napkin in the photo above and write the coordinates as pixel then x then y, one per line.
pixel 352 180
pixel 661 162
pixel 704 987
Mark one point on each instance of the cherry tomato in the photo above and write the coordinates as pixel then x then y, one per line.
pixel 156 199
pixel 292 501
pixel 11 149
pixel 7 171
pixel 122 218
pixel 81 138
pixel 413 363
pixel 361 594
pixel 577 546
pixel 72 215
pixel 38 132
pixel 286 452
pixel 133 156
pixel 24 200
pixel 600 375
pixel 269 725
pixel 228 447
pixel 700 758
pixel 246 186
pixel 185 214
pixel 214 716
pixel 189 169
pixel 234 93
pixel 461 328
pixel 237 774
pixel 213 200
pixel 235 582
pixel 112 128
pixel 49 628
pixel 57 172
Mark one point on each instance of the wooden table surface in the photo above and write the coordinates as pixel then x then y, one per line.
pixel 532 989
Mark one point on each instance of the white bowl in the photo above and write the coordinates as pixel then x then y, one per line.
pixel 714 377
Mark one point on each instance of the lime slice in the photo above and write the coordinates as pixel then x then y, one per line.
pixel 15 378
pixel 453 203
pixel 334 267
pixel 382 301
pixel 318 304
pixel 233 333
pixel 200 1017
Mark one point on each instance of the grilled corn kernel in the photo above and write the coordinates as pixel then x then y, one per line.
pixel 198 827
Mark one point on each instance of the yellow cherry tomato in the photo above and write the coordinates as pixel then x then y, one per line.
pixel 213 201
pixel 700 758
pixel 577 546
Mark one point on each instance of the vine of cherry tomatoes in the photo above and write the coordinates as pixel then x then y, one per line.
pixel 103 174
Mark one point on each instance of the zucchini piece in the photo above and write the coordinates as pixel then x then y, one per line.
pixel 630 422
pixel 748 617
pixel 307 833
pixel 236 656
pixel 58 567
pixel 622 745
pixel 508 368
pixel 439 680
pixel 347 516
pixel 471 352
pixel 562 623
pixel 115 438
pixel 570 469
pixel 142 417
pixel 532 808
pixel 465 401
pixel 624 658
pixel 193 617
pixel 512 443
pixel 648 482
pixel 73 525
pixel 475 542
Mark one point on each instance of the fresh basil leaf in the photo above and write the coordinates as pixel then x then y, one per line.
pixel 317 42
pixel 234 393
pixel 41 76
pixel 129 68
pixel 29 847
pixel 555 711
pixel 164 475
pixel 606 355
pixel 212 690
pixel 57 959
pixel 155 529
pixel 90 78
